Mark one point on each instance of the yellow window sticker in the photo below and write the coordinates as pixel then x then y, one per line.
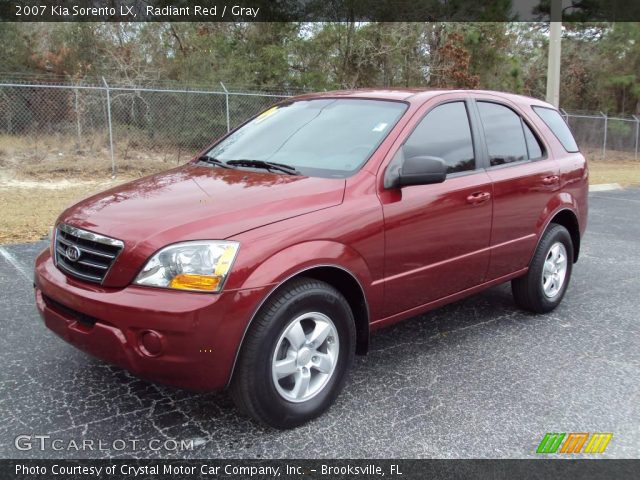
pixel 266 114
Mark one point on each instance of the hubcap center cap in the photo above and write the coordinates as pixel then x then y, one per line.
pixel 304 356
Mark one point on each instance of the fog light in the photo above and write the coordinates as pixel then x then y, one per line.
pixel 151 343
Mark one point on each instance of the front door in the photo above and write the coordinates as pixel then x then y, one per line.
pixel 437 236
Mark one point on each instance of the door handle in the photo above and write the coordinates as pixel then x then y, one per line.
pixel 478 197
pixel 550 180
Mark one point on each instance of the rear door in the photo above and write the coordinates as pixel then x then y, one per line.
pixel 437 236
pixel 524 177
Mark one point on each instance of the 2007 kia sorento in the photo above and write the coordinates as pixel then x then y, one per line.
pixel 264 263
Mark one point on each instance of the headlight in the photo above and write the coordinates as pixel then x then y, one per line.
pixel 200 266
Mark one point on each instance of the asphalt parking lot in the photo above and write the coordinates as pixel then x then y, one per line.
pixel 475 379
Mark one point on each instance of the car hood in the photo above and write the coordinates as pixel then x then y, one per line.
pixel 193 203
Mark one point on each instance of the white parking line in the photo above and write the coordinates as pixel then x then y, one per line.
pixel 604 187
pixel 633 200
pixel 16 263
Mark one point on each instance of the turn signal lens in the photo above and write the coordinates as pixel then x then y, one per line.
pixel 189 281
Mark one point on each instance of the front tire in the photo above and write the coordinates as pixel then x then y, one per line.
pixel 297 351
pixel 541 290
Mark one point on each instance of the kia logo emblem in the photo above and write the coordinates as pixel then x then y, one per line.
pixel 73 253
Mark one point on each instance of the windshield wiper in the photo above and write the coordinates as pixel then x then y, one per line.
pixel 214 161
pixel 281 167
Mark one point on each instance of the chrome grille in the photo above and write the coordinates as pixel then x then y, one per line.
pixel 83 254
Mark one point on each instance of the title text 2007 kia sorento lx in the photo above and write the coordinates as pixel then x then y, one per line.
pixel 263 265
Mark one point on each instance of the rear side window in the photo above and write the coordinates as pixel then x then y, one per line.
pixel 503 131
pixel 558 126
pixel 445 133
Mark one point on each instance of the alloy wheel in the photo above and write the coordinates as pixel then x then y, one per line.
pixel 554 270
pixel 305 357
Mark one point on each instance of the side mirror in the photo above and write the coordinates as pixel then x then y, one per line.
pixel 422 170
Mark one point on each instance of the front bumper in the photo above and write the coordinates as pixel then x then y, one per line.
pixel 195 335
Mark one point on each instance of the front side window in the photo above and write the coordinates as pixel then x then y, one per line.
pixel 318 137
pixel 444 133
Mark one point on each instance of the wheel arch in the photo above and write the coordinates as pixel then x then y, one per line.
pixel 567 217
pixel 569 220
pixel 342 280
pixel 349 286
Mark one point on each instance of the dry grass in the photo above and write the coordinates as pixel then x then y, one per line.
pixel 36 187
pixel 27 212
pixel 61 156
pixel 619 167
pixel 624 173
pixel 42 175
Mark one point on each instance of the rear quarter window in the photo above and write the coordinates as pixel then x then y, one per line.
pixel 558 126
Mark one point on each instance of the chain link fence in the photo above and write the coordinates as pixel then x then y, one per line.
pixel 67 129
pixel 92 129
pixel 604 136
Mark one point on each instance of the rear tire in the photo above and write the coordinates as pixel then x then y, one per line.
pixel 294 359
pixel 543 287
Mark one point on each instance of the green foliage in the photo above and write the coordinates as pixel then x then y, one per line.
pixel 15 51
pixel 622 129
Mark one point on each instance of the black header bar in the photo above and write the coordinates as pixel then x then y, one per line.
pixel 314 10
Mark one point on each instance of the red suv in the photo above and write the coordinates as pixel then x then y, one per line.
pixel 263 265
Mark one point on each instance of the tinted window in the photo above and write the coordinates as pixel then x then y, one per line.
pixel 533 144
pixel 504 134
pixel 321 137
pixel 445 133
pixel 558 126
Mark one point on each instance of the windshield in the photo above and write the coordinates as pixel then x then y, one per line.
pixel 321 137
